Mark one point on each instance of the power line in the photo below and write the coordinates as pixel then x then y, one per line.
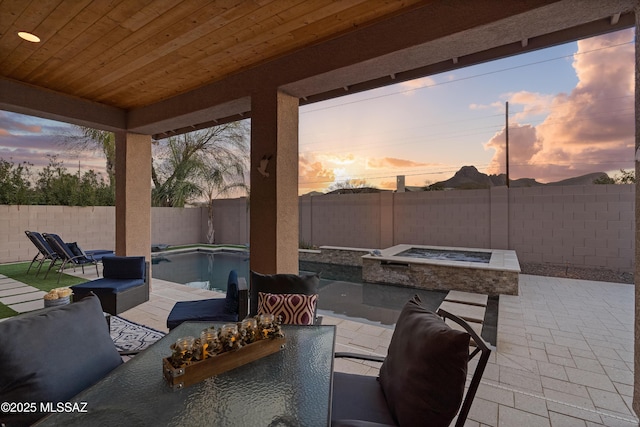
pixel 515 67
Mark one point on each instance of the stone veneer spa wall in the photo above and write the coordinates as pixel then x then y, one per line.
pixel 403 265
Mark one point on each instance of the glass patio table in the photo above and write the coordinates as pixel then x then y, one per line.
pixel 289 388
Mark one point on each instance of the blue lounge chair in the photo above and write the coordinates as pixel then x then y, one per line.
pixel 66 255
pixel 44 250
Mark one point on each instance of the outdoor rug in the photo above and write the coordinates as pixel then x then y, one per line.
pixel 130 336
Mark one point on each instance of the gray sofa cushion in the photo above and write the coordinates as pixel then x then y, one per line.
pixel 358 397
pixel 424 374
pixel 52 355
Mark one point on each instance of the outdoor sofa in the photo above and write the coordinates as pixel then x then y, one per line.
pixel 50 355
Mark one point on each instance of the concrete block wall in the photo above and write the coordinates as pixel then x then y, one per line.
pixel 342 219
pixel 177 226
pixel 90 227
pixel 231 221
pixel 589 226
pixel 443 218
pixel 577 225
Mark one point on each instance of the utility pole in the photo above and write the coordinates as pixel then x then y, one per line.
pixel 506 134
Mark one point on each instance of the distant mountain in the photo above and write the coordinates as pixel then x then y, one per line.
pixel 468 177
pixel 581 180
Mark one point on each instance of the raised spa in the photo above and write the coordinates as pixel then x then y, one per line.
pixel 485 271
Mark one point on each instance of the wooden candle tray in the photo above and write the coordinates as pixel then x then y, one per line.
pixel 195 372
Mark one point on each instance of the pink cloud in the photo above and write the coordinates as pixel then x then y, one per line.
pixel 588 130
pixel 13 123
pixel 313 176
pixel 392 162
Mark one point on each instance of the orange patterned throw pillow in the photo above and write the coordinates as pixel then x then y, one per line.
pixel 294 309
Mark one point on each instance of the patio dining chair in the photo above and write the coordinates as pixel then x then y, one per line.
pixel 67 256
pixel 290 296
pixel 45 252
pixel 422 379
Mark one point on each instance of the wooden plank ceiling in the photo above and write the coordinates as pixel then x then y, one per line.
pixel 130 54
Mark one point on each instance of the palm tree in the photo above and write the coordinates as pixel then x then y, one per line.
pixel 209 163
pixel 218 180
pixel 92 139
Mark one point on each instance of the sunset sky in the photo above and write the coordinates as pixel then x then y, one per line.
pixel 571 113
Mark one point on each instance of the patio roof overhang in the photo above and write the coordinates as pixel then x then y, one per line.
pixel 164 71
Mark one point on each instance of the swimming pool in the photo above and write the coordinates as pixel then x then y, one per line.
pixel 200 269
pixel 341 292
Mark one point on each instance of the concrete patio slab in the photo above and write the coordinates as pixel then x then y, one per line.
pixel 18 290
pixel 10 284
pixel 31 296
pixel 26 306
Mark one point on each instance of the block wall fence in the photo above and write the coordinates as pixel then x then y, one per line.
pixel 584 226
pixel 91 227
pixel 591 226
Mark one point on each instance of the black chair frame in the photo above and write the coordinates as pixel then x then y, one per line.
pixel 66 256
pixel 478 346
pixel 45 252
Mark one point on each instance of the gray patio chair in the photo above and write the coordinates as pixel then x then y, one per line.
pixel 422 379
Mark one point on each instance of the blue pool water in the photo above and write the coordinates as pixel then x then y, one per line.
pixel 201 269
pixel 341 291
pixel 447 255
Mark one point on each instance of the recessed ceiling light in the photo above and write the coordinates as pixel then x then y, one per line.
pixel 29 37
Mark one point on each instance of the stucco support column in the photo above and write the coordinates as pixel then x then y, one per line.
pixel 274 183
pixel 133 195
pixel 636 365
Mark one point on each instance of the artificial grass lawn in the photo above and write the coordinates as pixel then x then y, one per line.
pixel 19 272
pixel 6 312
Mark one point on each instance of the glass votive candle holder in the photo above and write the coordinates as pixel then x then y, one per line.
pixel 249 324
pixel 185 344
pixel 229 329
pixel 208 336
pixel 267 319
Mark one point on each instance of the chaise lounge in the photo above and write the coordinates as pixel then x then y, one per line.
pixel 124 285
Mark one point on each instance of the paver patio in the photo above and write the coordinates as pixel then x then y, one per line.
pixel 564 351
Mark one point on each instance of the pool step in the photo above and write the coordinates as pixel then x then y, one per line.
pixel 468 306
pixel 470 313
pixel 467 298
pixel 477 327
